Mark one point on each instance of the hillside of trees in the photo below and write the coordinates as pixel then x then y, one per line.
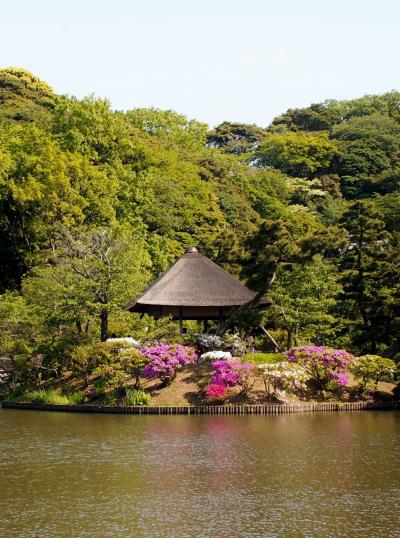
pixel 95 203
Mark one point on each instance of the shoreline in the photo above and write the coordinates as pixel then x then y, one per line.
pixel 257 409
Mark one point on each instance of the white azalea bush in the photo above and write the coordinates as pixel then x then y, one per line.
pixel 234 344
pixel 210 342
pixel 282 377
pixel 218 355
pixel 228 342
pixel 126 341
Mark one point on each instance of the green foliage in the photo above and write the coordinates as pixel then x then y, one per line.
pixel 297 154
pixel 236 138
pixel 133 362
pixel 136 397
pixel 303 300
pixel 174 128
pixel 367 145
pixel 370 273
pixel 93 275
pixel 113 376
pixel 24 97
pixel 85 358
pixel 77 397
pixel 18 325
pixel 372 369
pixel 31 82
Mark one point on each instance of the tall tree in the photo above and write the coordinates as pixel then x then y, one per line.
pixel 303 298
pixel 91 276
pixel 370 276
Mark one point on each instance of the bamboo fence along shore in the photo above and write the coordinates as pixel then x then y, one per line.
pixel 260 409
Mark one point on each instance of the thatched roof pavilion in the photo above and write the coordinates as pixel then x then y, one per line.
pixel 194 288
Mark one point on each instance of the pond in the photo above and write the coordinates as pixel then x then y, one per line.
pixel 304 475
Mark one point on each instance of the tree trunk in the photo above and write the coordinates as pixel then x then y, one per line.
pixel 289 338
pixel 103 325
pixel 361 294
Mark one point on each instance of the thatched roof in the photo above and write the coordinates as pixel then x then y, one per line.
pixel 195 285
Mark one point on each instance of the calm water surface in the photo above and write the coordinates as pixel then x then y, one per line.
pixel 73 475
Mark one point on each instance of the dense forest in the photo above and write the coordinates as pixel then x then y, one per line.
pixel 95 203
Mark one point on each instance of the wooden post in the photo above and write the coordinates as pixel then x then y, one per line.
pixel 206 325
pixel 180 321
pixel 264 330
pixel 219 317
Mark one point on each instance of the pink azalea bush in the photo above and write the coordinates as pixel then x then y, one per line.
pixel 323 365
pixel 166 359
pixel 229 373
pixel 216 391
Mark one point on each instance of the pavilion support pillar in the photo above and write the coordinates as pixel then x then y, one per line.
pixel 206 325
pixel 219 317
pixel 180 321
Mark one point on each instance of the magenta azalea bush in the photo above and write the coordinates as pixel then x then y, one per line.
pixel 90 393
pixel 166 359
pixel 225 373
pixel 216 391
pixel 323 365
pixel 229 373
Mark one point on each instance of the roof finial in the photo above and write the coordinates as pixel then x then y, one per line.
pixel 191 250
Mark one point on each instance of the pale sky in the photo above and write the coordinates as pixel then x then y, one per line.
pixel 234 60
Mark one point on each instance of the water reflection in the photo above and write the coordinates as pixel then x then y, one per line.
pixel 65 475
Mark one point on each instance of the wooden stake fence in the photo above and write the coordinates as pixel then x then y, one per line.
pixel 260 409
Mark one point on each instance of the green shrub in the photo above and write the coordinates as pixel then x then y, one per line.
pixel 264 358
pixel 47 396
pixel 136 397
pixel 372 369
pixel 84 359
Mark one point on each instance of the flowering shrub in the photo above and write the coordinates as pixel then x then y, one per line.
pixel 164 360
pixel 235 344
pixel 372 369
pixel 225 373
pixel 281 377
pixel 90 393
pixel 216 355
pixel 323 365
pixel 230 373
pixel 215 391
pixel 127 341
pixel 210 342
pixel 229 342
